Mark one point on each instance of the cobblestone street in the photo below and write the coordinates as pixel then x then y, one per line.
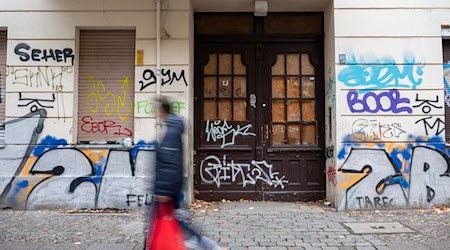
pixel 234 225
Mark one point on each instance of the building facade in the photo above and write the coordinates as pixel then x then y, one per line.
pixel 286 100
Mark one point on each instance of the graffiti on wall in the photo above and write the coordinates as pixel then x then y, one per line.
pixel 49 173
pixel 372 178
pixel 168 77
pixel 40 77
pixel 391 101
pixel 226 133
pixel 372 102
pixel 88 125
pixel 427 105
pixel 329 152
pixel 27 53
pixel 35 103
pixel 331 175
pixel 100 100
pixel 375 129
pixel 149 107
pixel 382 73
pixel 384 164
pixel 433 126
pixel 216 171
pixel 53 103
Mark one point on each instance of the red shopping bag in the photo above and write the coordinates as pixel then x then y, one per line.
pixel 166 233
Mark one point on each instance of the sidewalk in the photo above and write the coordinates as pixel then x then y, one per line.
pixel 234 225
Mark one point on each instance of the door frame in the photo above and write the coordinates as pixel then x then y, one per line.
pixel 259 41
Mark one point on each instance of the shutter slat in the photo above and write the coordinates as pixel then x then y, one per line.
pixel 446 51
pixel 108 56
pixel 3 42
pixel 446 60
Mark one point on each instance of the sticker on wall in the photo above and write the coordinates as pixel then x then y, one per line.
pixel 342 59
pixel 140 57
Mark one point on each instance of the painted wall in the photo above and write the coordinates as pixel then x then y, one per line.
pixel 330 102
pixel 41 164
pixel 390 134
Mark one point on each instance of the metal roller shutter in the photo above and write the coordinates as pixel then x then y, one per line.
pixel 3 42
pixel 446 61
pixel 106 85
pixel 446 52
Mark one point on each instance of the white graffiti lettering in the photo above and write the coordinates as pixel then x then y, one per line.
pixel 218 130
pixel 374 128
pixel 253 100
pixel 378 183
pixel 215 171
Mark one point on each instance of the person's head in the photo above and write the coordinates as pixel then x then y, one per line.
pixel 163 107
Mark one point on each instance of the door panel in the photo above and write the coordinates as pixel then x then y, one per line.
pixel 294 119
pixel 225 122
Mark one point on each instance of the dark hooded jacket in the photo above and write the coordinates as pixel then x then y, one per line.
pixel 169 159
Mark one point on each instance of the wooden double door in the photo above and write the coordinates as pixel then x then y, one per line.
pixel 259 121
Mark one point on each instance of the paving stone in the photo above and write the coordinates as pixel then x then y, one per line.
pixel 67 246
pixel 286 243
pixel 382 248
pixel 400 245
pixel 303 244
pixel 21 246
pixel 319 244
pixel 363 244
pixel 366 248
pixel 334 244
pixel 268 244
pixel 102 246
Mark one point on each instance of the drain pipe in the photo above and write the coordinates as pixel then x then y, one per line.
pixel 158 64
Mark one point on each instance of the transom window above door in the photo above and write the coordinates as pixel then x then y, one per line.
pixel 293 100
pixel 225 88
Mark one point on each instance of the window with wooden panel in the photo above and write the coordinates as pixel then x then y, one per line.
pixel 3 42
pixel 224 24
pixel 106 85
pixel 225 88
pixel 293 100
pixel 293 24
pixel 446 65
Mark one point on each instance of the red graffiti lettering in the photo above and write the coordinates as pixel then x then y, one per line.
pixel 332 175
pixel 104 127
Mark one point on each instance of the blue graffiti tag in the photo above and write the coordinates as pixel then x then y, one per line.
pixel 362 105
pixel 447 84
pixel 48 142
pixel 353 141
pixel 382 73
pixel 142 145
pixel 20 185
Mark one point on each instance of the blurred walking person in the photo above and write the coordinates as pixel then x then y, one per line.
pixel 164 230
